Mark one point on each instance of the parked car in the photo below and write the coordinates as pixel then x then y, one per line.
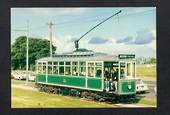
pixel 155 90
pixel 32 76
pixel 141 87
pixel 12 74
pixel 19 75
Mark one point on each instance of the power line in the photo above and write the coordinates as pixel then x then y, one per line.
pixel 65 24
pixel 83 20
pixel 80 20
pixel 23 30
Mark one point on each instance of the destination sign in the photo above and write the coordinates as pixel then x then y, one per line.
pixel 126 56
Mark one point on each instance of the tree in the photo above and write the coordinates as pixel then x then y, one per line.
pixel 38 48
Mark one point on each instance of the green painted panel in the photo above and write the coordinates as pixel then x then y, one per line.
pixel 94 83
pixel 41 78
pixel 128 86
pixel 67 80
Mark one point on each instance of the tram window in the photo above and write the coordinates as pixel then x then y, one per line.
pixel 107 72
pixel 75 71
pixel 82 71
pixel 61 63
pixel 49 69
pixel 90 64
pixel 55 63
pixel 115 64
pixel 55 69
pixel 82 63
pixel 44 70
pixel 61 70
pixel 98 72
pixel 90 71
pixel 122 73
pixel 75 63
pixel 108 64
pixel 68 63
pixel 39 68
pixel 67 70
pixel 49 63
pixel 122 70
pixel 122 65
pixel 39 63
pixel 98 64
pixel 133 70
pixel 128 69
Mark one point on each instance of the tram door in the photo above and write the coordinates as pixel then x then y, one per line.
pixel 127 70
pixel 126 81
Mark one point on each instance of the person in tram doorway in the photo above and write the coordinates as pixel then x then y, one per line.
pixel 107 84
pixel 114 75
pixel 106 81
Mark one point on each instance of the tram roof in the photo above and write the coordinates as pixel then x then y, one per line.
pixel 82 58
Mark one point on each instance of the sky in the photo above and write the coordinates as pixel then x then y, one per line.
pixel 132 31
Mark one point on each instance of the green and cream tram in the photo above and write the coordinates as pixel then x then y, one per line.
pixel 87 71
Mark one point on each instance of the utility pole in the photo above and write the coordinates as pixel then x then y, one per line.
pixel 27 36
pixel 27 61
pixel 50 24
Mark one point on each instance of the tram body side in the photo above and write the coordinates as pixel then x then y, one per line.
pixel 124 87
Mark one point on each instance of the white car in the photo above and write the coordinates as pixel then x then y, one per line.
pixel 32 76
pixel 155 90
pixel 19 75
pixel 141 87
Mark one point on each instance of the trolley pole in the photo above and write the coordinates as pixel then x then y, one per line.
pixel 50 24
pixel 27 60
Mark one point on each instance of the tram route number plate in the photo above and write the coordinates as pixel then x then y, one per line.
pixel 126 56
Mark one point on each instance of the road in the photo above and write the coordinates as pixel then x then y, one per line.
pixel 151 93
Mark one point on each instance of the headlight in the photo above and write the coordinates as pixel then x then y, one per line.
pixel 129 86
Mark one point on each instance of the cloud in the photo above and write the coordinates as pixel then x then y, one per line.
pixel 144 36
pixel 50 11
pixel 62 44
pixel 152 45
pixel 125 40
pixel 72 38
pixel 111 47
pixel 98 40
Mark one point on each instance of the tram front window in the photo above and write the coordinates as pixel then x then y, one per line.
pixel 127 70
pixel 133 69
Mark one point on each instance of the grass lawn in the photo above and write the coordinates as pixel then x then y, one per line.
pixel 33 99
pixel 146 71
pixel 24 98
pixel 147 102
pixel 22 82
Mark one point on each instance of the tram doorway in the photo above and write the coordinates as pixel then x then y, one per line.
pixel 111 75
pixel 116 71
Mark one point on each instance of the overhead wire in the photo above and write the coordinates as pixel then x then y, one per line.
pixel 78 20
